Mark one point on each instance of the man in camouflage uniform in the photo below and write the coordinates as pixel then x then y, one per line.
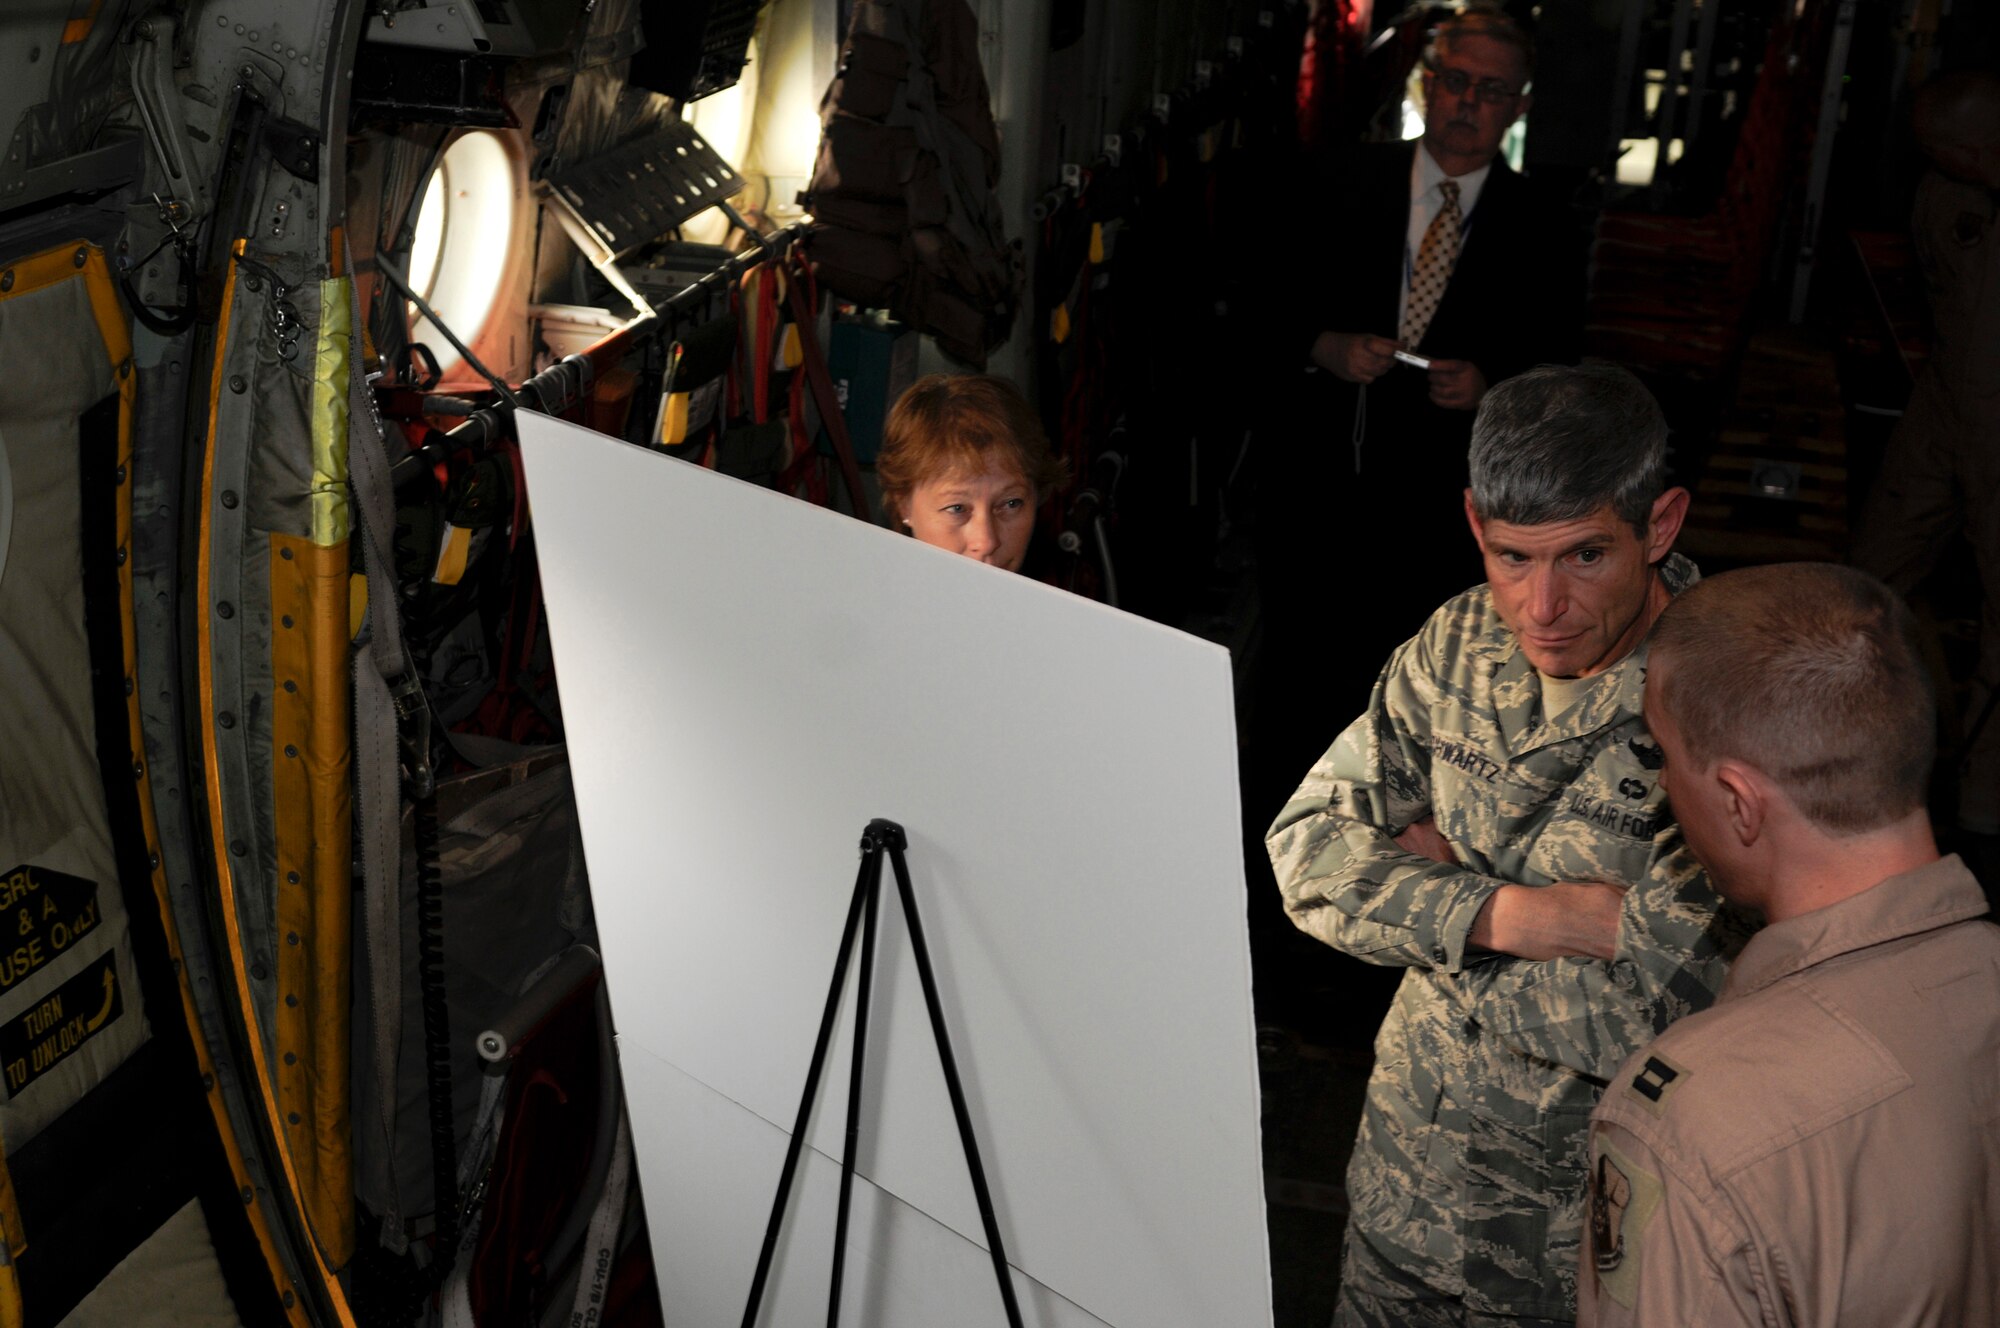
pixel 1494 825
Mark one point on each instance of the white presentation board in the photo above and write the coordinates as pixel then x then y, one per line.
pixel 748 680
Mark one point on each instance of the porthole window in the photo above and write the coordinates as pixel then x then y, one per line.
pixel 465 227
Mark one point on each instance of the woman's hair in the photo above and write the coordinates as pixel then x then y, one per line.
pixel 951 423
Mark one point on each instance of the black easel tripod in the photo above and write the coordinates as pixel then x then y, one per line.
pixel 880 837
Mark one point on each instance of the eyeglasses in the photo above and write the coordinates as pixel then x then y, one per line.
pixel 1492 91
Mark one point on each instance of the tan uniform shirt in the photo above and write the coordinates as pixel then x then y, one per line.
pixel 1823 1146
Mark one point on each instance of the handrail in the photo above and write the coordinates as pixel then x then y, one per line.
pixel 565 383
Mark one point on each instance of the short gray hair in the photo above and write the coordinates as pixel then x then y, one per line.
pixel 1480 18
pixel 1559 442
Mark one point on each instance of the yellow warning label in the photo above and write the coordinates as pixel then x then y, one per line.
pixel 49 1032
pixel 42 914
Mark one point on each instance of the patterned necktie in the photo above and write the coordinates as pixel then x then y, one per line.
pixel 1435 259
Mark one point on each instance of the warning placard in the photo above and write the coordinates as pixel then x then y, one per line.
pixel 49 1031
pixel 42 914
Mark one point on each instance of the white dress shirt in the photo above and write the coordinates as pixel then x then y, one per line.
pixel 1426 201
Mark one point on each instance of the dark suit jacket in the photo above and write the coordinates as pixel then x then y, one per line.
pixel 1515 300
pixel 1351 564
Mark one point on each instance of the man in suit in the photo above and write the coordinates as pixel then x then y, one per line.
pixel 1437 248
pixel 1437 300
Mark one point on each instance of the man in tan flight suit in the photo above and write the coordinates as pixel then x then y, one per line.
pixel 1823 1146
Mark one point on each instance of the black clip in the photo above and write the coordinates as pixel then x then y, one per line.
pixel 279 311
pixel 294 146
pixel 413 734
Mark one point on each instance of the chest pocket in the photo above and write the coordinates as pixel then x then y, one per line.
pixel 1602 824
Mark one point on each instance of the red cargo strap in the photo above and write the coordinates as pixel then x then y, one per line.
pixel 821 380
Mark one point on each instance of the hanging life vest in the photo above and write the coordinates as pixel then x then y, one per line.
pixel 902 194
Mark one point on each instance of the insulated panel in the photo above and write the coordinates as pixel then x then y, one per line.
pixel 747 680
pixel 70 1007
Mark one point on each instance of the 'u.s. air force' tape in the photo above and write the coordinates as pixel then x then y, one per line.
pixel 50 1031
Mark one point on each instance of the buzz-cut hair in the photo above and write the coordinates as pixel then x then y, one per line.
pixel 1561 442
pixel 1480 18
pixel 1810 673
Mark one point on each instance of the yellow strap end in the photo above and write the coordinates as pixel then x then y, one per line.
pixel 674 419
pixel 453 552
pixel 357 603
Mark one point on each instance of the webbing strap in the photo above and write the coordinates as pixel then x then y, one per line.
pixel 1360 423
pixel 455 1300
pixel 378 800
pixel 13 1240
pixel 763 335
pixel 821 380
pixel 600 1247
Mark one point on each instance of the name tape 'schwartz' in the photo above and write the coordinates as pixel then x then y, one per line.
pixel 42 914
pixel 1464 758
pixel 1600 812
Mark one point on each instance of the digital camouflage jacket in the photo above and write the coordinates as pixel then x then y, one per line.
pixel 1469 1171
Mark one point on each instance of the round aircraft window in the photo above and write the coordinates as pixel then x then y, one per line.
pixel 429 240
pixel 464 229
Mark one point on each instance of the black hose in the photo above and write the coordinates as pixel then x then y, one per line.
pixel 437 1033
pixel 165 324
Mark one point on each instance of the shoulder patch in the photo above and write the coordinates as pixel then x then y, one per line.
pixel 1655 1080
pixel 1623 1198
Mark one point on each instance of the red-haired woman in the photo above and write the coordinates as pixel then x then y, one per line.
pixel 964 462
